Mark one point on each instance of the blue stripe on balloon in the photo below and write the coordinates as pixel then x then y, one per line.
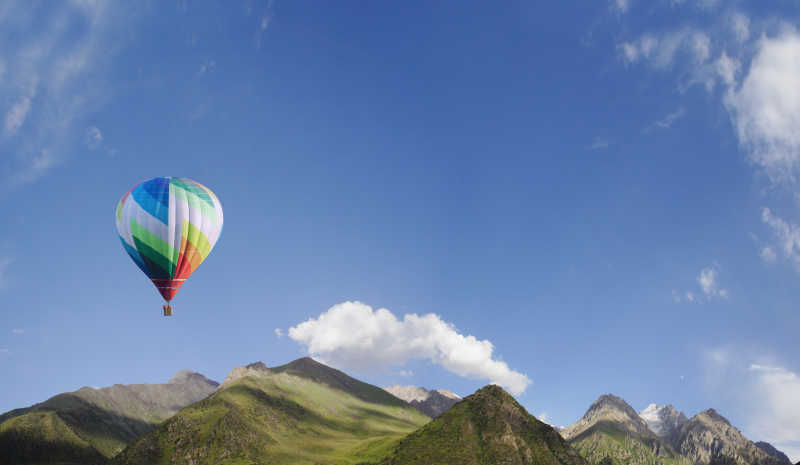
pixel 153 197
pixel 135 256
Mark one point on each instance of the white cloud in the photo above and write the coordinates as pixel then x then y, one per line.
pixel 765 394
pixel 690 296
pixel 709 283
pixel 701 46
pixel 17 331
pixel 667 121
pixel 279 332
pixel 599 143
pixel 768 254
pixel 727 68
pixel 354 336
pixel 765 110
pixel 778 418
pixel 93 138
pixel 54 78
pixel 17 114
pixel 622 5
pixel 786 235
pixel 36 167
pixel 740 26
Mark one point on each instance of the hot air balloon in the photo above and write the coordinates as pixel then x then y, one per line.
pixel 168 226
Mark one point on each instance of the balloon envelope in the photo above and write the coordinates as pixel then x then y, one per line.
pixel 168 226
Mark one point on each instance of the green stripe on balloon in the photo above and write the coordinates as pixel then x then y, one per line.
pixel 161 252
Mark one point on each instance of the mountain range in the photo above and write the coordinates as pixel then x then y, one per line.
pixel 305 412
pixel 88 426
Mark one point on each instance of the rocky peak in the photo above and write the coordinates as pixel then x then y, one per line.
pixel 663 420
pixel 188 376
pixel 709 438
pixel 256 370
pixel 609 408
pixel 433 403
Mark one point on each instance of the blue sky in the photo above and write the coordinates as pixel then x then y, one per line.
pixel 567 199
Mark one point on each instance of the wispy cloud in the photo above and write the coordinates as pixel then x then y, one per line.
pixel 279 332
pixel 354 336
pixel 53 79
pixel 599 144
pixel 621 5
pixel 93 138
pixel 667 121
pixel 18 331
pixel 265 19
pixel 709 288
pixel 786 237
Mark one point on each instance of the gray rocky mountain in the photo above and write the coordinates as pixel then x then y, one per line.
pixel 771 450
pixel 709 439
pixel 433 403
pixel 90 425
pixel 611 430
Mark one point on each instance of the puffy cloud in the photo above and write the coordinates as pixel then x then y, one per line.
pixel 765 110
pixel 353 335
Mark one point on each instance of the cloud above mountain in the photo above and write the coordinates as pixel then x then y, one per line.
pixel 353 335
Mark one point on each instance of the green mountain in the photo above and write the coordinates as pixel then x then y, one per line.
pixel 300 413
pixel 489 427
pixel 612 431
pixel 89 426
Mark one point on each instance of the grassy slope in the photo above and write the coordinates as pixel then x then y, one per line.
pixel 605 440
pixel 488 427
pixel 278 419
pixel 91 422
pixel 44 438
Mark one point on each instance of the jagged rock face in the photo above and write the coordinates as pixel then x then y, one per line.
pixel 609 408
pixel 772 451
pixel 612 429
pixel 665 421
pixel 256 370
pixel 433 403
pixel 709 439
